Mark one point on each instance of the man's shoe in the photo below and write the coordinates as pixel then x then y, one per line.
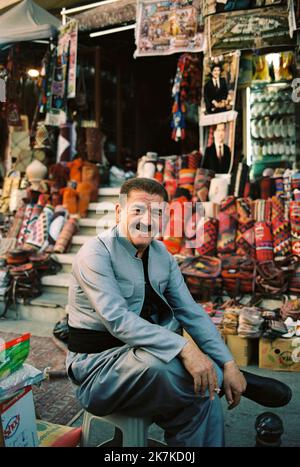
pixel 268 392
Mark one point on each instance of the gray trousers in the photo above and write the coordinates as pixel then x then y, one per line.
pixel 131 380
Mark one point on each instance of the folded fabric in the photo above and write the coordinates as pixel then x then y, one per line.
pixel 208 228
pixel 39 235
pixel 57 223
pixel 228 206
pixel 174 230
pixel 84 190
pixel 263 241
pixel 186 179
pixel 70 199
pixel 75 169
pixel 16 224
pixel 226 234
pixel 201 184
pixel 65 236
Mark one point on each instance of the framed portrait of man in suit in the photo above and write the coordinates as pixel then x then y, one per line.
pixel 219 89
pixel 217 145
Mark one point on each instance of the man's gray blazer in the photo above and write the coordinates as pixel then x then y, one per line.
pixel 107 294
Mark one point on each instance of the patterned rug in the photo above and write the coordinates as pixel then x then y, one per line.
pixel 54 400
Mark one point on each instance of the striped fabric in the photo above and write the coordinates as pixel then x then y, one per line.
pixel 201 184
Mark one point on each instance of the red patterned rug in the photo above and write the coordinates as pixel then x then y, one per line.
pixel 55 399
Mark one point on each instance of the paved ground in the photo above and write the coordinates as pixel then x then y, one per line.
pixel 239 423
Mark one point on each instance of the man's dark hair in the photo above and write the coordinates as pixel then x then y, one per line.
pixel 144 184
pixel 216 65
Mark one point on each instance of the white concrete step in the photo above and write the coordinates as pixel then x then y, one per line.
pixel 109 194
pixel 109 191
pixel 36 314
pixel 65 259
pixel 58 283
pixel 94 226
pixel 102 209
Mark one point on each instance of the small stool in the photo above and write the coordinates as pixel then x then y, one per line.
pixel 129 431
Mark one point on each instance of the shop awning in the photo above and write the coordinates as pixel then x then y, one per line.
pixel 25 22
pixel 120 12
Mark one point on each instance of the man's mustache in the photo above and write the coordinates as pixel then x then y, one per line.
pixel 142 227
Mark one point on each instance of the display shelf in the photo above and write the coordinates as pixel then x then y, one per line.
pixel 272 121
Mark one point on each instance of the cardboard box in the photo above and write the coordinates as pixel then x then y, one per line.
pixel 242 349
pixel 17 420
pixel 280 354
pixel 53 435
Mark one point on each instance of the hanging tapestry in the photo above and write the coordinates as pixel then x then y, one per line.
pixel 68 38
pixel 167 27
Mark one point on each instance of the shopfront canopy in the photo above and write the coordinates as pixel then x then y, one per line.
pixel 25 22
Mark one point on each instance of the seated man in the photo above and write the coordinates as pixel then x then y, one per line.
pixel 128 303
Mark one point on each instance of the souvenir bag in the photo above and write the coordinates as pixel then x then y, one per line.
pixel 202 275
pixel 203 178
pixel 238 273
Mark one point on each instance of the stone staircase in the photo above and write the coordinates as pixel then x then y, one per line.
pixel 50 306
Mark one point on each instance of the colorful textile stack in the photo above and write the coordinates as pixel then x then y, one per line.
pixel 186 89
pixel 201 184
pixel 228 206
pixel 186 179
pixel 262 210
pixel 238 274
pixel 226 234
pixel 39 234
pixel 65 236
pixel 230 320
pixel 281 228
pixel 17 223
pixel 194 159
pixel 209 235
pixel 170 179
pixel 35 213
pixel 174 231
pixel 26 219
pixel 295 226
pixel 245 240
pixel 279 187
pixel 263 241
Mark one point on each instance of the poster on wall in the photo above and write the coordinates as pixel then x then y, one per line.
pixel 245 30
pixel 220 75
pixel 167 27
pixel 217 145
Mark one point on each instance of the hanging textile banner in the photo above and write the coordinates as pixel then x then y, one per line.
pixel 63 75
pixel 68 38
pixel 167 27
pixel 248 29
pixel 220 75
